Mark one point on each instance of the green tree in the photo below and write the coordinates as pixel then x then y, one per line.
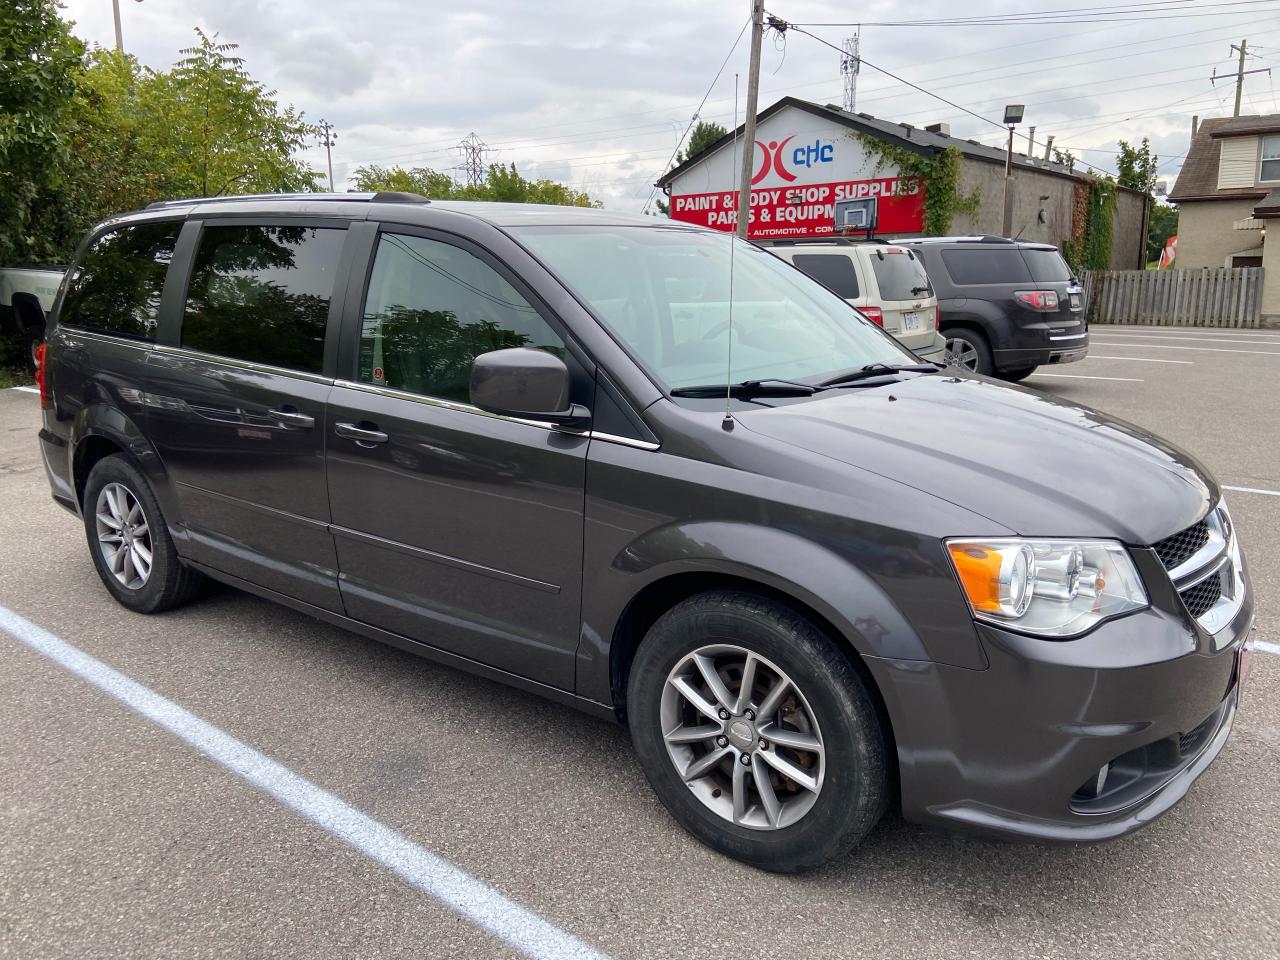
pixel 1065 157
pixel 1162 225
pixel 703 136
pixel 1136 166
pixel 217 130
pixel 39 64
pixel 502 182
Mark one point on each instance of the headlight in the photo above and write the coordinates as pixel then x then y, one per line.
pixel 1054 588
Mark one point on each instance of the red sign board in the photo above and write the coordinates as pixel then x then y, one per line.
pixel 806 211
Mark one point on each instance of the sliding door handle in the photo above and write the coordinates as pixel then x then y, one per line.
pixel 366 435
pixel 290 417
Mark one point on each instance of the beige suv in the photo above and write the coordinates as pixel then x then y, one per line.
pixel 885 281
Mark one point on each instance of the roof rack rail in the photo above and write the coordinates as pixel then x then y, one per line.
pixel 383 196
pixel 802 241
pixel 973 239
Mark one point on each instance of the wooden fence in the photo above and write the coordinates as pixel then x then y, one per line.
pixel 1202 297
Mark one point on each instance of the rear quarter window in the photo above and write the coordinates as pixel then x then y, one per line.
pixel 900 275
pixel 117 284
pixel 1046 266
pixel 988 265
pixel 835 271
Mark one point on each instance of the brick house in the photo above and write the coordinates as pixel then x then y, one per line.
pixel 1228 189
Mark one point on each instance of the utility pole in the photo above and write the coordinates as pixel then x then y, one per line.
pixel 115 10
pixel 328 139
pixel 850 65
pixel 1240 73
pixel 749 124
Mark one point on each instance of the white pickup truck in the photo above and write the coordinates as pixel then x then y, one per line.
pixel 26 297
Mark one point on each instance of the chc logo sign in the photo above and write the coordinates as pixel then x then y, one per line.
pixel 776 158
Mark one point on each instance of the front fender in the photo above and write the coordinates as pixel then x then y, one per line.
pixel 790 564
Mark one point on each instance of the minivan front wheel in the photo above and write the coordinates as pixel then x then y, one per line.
pixel 129 540
pixel 756 733
pixel 968 350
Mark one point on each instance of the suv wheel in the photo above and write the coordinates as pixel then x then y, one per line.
pixel 968 350
pixel 129 541
pixel 756 733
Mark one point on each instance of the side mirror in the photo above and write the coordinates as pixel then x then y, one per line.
pixel 527 383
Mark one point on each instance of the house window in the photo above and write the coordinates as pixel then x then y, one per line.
pixel 1270 172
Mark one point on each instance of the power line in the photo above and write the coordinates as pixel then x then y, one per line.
pixel 1081 15
pixel 694 118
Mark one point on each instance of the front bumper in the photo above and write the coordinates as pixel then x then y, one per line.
pixel 1014 749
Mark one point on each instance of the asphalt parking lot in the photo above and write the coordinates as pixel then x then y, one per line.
pixel 118 839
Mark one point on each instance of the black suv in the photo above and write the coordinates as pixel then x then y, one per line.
pixel 1006 306
pixel 503 437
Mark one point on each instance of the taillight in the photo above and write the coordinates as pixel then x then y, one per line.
pixel 937 316
pixel 874 314
pixel 1042 300
pixel 41 377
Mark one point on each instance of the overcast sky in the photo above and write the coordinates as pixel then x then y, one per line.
pixel 596 94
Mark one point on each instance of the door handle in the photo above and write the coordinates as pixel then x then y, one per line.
pixel 289 417
pixel 365 436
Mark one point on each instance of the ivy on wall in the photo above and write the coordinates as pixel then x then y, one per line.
pixel 1092 226
pixel 940 174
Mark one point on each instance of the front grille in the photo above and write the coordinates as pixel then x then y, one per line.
pixel 1180 547
pixel 1201 598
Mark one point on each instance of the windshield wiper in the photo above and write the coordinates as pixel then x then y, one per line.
pixel 769 387
pixel 872 370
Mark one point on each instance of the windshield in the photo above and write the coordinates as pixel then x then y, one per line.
pixel 899 275
pixel 665 294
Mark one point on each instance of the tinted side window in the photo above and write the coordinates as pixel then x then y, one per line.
pixel 985 266
pixel 899 275
pixel 261 293
pixel 833 271
pixel 432 308
pixel 117 285
pixel 1046 266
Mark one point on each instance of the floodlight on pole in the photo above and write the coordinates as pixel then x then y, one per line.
pixel 1012 117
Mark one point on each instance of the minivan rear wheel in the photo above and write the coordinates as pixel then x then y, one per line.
pixel 756 733
pixel 129 540
pixel 968 350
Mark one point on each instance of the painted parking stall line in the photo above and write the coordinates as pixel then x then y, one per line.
pixel 1095 356
pixel 1265 493
pixel 1081 376
pixel 518 927
pixel 26 389
pixel 1112 344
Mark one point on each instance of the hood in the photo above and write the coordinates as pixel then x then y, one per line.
pixel 1036 464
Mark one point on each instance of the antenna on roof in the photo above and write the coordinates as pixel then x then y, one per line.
pixel 727 422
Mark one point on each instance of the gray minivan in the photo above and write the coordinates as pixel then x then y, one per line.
pixel 655 473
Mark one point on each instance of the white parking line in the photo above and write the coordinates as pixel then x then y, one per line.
pixel 1253 342
pixel 1097 356
pixel 1208 333
pixel 1265 493
pixel 1112 344
pixel 26 389
pixel 517 926
pixel 1081 376
pixel 1266 646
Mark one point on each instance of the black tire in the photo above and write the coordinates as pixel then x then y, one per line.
pixel 170 583
pixel 1013 376
pixel 975 341
pixel 855 787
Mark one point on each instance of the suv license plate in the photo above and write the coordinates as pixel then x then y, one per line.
pixel 1075 301
pixel 910 322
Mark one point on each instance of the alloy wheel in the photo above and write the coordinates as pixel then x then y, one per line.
pixel 743 737
pixel 124 536
pixel 961 353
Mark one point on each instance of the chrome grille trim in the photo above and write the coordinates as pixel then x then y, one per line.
pixel 1212 606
